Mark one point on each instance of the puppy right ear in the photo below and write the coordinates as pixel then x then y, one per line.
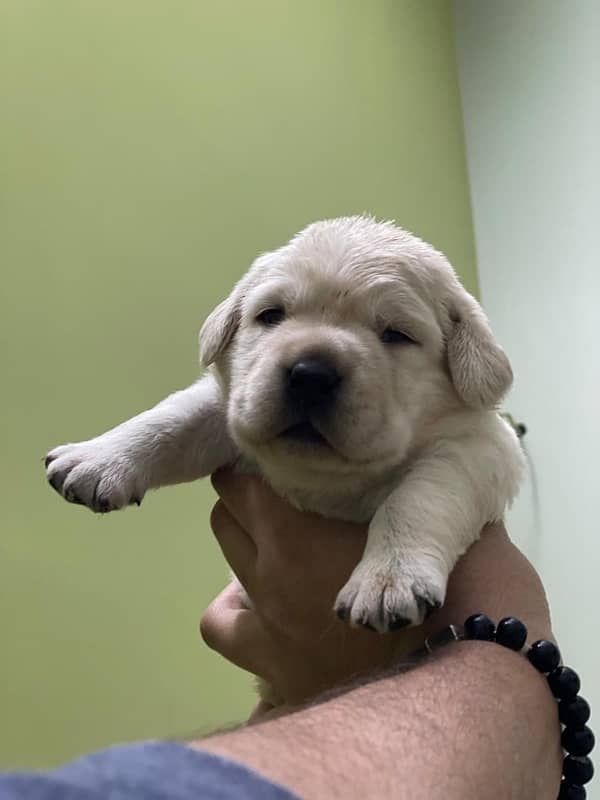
pixel 219 329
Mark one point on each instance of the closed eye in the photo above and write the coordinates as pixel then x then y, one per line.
pixel 271 316
pixel 391 336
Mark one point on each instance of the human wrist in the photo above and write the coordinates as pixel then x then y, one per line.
pixel 448 728
pixel 576 737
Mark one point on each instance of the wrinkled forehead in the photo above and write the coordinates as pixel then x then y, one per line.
pixel 358 279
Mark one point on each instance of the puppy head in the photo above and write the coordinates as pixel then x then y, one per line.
pixel 341 349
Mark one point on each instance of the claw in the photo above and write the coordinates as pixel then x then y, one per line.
pixel 397 623
pixel 71 497
pixel 367 626
pixel 102 506
pixel 427 607
pixel 54 482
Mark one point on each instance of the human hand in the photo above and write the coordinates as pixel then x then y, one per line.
pixel 292 564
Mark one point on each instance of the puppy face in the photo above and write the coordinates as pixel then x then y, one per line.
pixel 338 351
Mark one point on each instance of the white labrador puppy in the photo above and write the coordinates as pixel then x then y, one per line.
pixel 352 370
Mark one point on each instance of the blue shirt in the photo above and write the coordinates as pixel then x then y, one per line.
pixel 146 771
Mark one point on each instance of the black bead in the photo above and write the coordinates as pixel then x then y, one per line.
pixel 578 742
pixel 574 713
pixel 569 791
pixel 544 655
pixel 564 683
pixel 578 770
pixel 511 633
pixel 480 627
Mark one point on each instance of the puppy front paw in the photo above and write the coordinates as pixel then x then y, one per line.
pixel 94 474
pixel 392 593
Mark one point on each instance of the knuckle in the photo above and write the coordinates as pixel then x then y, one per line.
pixel 216 480
pixel 209 630
pixel 217 515
pixel 223 480
pixel 212 628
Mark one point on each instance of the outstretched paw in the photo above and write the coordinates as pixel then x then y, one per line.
pixel 95 475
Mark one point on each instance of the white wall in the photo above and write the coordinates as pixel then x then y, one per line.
pixel 530 79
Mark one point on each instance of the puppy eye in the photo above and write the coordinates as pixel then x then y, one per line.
pixel 390 336
pixel 271 316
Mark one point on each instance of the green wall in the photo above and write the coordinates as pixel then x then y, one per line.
pixel 148 151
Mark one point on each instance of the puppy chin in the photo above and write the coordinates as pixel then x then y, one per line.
pixel 285 451
pixel 282 446
pixel 297 466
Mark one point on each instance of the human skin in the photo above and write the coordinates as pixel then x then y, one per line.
pixel 474 720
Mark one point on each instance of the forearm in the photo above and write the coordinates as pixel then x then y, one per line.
pixel 476 721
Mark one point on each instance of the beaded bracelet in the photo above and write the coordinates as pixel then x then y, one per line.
pixel 577 738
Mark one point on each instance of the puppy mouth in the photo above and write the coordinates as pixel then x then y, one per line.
pixel 303 432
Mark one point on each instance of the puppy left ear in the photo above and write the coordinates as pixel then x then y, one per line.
pixel 222 323
pixel 219 328
pixel 479 367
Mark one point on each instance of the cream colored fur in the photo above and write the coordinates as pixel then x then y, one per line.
pixel 415 446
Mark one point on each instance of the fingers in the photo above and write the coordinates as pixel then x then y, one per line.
pixel 238 548
pixel 262 513
pixel 234 631
pixel 253 504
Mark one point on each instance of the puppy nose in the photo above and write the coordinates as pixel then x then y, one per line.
pixel 312 382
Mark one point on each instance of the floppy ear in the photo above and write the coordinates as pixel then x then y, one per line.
pixel 479 367
pixel 219 328
pixel 221 324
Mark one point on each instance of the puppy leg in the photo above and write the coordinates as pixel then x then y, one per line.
pixel 182 438
pixel 420 531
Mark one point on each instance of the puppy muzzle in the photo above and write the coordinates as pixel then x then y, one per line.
pixel 312 384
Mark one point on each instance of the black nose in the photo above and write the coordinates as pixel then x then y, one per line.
pixel 312 382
